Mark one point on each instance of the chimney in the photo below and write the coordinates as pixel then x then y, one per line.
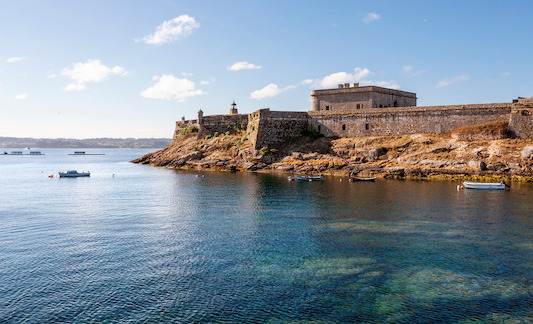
pixel 346 85
pixel 341 86
pixel 356 85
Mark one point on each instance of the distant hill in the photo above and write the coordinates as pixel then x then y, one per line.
pixel 14 142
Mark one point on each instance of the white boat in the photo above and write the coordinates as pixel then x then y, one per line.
pixel 308 178
pixel 73 174
pixel 485 185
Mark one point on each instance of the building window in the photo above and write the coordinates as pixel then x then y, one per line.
pixel 327 107
pixel 318 129
pixel 380 106
pixel 343 127
pixel 367 126
pixel 358 106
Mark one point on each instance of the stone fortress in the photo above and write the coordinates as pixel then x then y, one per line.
pixel 354 111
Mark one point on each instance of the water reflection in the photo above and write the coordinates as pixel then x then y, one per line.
pixel 155 244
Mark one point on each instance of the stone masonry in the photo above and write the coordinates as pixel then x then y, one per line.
pixel 352 112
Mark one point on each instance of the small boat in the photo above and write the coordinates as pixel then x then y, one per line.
pixel 74 174
pixel 84 153
pixel 354 177
pixel 36 153
pixel 309 178
pixel 362 178
pixel 485 185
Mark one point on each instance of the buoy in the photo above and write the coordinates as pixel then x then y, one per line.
pixel 198 176
pixel 51 176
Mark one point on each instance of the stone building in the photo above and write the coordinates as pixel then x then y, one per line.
pixel 346 97
pixel 353 111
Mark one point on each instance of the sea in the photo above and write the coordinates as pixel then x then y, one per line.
pixel 141 244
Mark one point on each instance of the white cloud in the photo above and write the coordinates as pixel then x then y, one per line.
pixel 385 84
pixel 332 80
pixel 204 82
pixel 370 17
pixel 13 59
pixel 269 91
pixel 358 76
pixel 91 71
pixel 448 82
pixel 171 30
pixel 168 87
pixel 410 70
pixel 506 74
pixel 21 96
pixel 243 66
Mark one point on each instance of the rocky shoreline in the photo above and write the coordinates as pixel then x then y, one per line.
pixel 490 157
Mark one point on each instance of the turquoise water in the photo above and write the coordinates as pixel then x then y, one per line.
pixel 135 243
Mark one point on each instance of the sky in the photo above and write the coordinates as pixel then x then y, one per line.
pixel 128 68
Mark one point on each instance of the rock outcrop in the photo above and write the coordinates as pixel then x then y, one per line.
pixel 408 156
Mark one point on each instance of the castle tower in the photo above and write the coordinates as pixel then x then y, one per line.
pixel 200 117
pixel 233 109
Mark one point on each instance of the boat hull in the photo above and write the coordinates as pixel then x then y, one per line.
pixel 362 179
pixel 484 186
pixel 70 174
pixel 308 178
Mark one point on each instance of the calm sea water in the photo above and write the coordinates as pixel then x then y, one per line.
pixel 135 243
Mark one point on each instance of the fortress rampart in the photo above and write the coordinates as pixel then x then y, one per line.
pixel 521 120
pixel 349 117
pixel 406 120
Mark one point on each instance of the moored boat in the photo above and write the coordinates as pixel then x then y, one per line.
pixel 355 177
pixel 485 185
pixel 74 174
pixel 309 178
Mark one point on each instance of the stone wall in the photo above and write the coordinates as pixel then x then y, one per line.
pixel 183 125
pixel 209 125
pixel 521 120
pixel 406 120
pixel 360 98
pixel 277 127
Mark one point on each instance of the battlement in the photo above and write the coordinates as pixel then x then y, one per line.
pixel 351 112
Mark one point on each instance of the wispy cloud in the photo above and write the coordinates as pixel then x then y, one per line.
pixel 243 66
pixel 21 96
pixel 384 84
pixel 447 82
pixel 14 59
pixel 269 91
pixel 168 87
pixel 370 17
pixel 410 70
pixel 359 75
pixel 91 71
pixel 506 74
pixel 171 30
pixel 333 79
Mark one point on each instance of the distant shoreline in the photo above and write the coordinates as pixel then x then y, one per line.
pixel 90 143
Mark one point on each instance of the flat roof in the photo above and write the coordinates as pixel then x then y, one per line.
pixel 363 89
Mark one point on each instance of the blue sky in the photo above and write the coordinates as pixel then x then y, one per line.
pixel 82 69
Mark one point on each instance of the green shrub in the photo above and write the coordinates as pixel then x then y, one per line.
pixel 311 132
pixel 216 134
pixel 190 129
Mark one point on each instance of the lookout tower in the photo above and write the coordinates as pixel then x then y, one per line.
pixel 233 109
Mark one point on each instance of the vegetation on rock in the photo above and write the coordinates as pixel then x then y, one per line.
pixel 409 156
